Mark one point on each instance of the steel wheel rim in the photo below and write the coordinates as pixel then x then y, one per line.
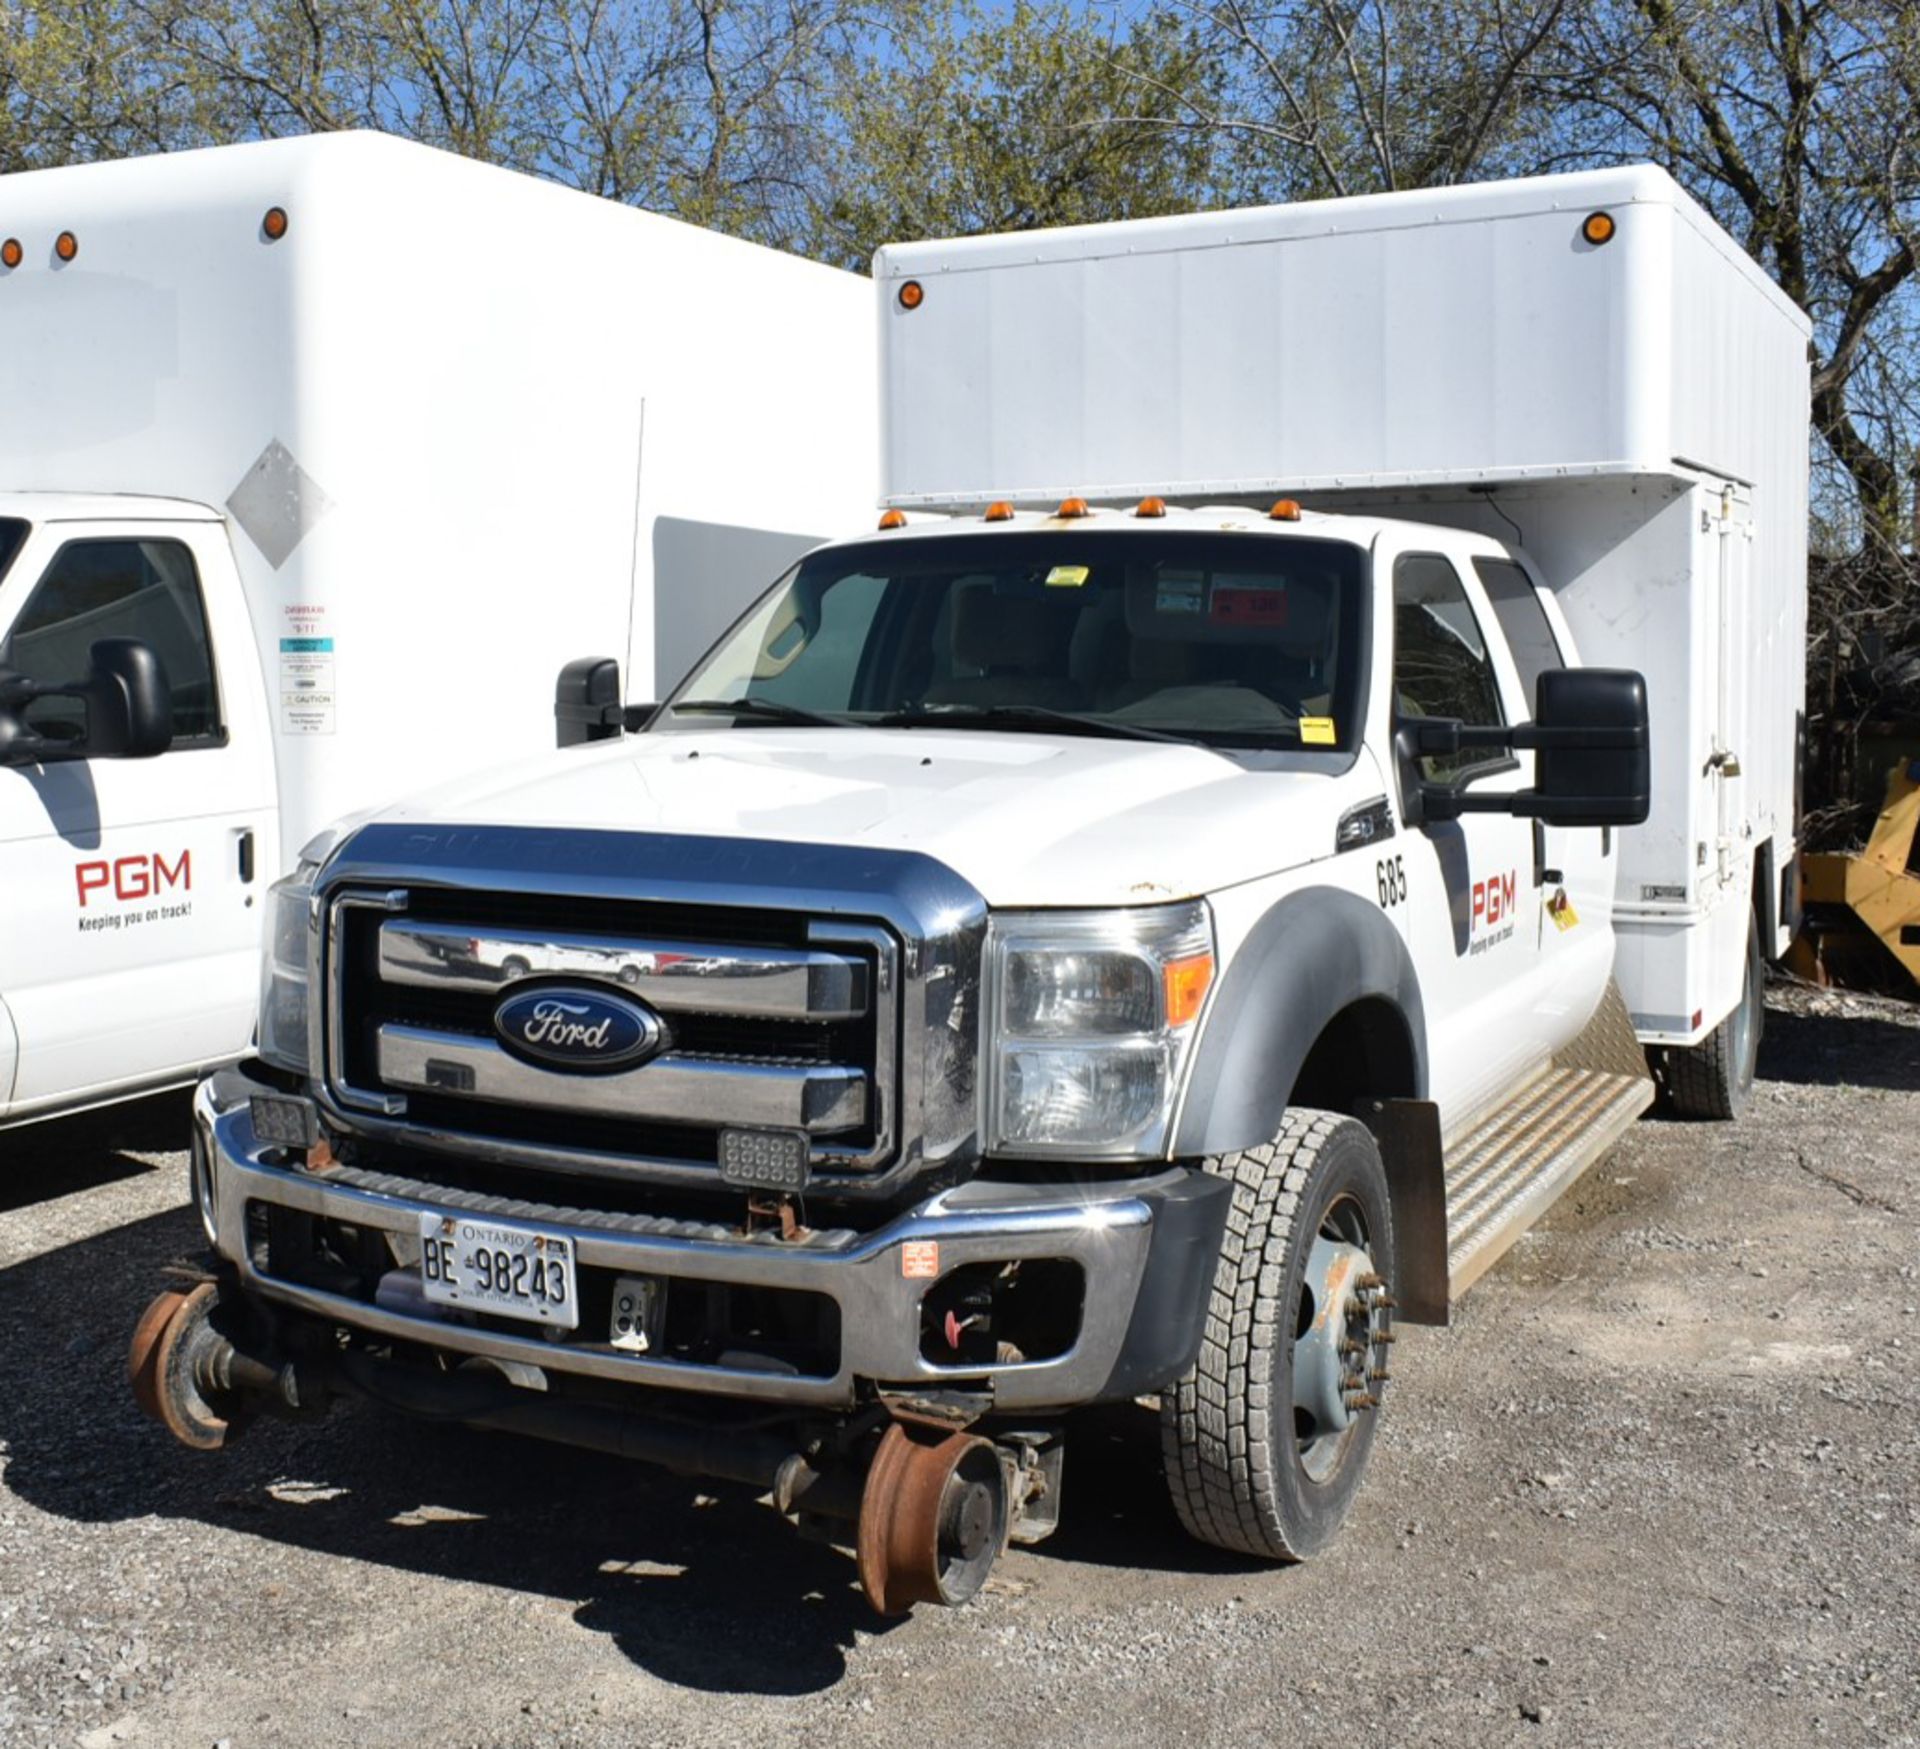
pixel 1337 1343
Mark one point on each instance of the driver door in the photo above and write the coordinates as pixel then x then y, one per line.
pixel 1471 903
pixel 129 936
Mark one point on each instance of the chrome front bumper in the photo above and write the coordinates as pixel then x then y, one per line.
pixel 1145 1247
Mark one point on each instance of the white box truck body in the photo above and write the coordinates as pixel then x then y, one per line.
pixel 1128 936
pixel 366 473
pixel 1633 413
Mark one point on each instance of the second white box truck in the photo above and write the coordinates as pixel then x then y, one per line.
pixel 1145 934
pixel 361 441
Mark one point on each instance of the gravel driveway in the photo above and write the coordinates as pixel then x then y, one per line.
pixel 1659 1483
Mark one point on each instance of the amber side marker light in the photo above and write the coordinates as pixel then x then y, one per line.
pixel 1187 982
pixel 1071 508
pixel 1284 510
pixel 999 511
pixel 274 226
pixel 66 245
pixel 1151 507
pixel 912 295
pixel 11 254
pixel 893 519
pixel 1598 228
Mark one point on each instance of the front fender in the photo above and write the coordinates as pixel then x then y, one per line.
pixel 1315 953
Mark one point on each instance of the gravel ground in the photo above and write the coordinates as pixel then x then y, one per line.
pixel 1659 1483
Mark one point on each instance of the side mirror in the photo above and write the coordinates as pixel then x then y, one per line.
pixel 1593 765
pixel 1590 733
pixel 129 706
pixel 586 702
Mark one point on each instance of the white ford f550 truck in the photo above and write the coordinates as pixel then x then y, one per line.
pixel 1143 934
pixel 357 442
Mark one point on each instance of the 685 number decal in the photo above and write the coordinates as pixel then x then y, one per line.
pixel 1390 878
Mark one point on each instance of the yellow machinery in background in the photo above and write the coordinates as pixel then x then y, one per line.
pixel 1862 906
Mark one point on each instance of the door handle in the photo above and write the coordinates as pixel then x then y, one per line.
pixel 246 856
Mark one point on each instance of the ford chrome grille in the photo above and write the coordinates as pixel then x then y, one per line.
pixel 770 1020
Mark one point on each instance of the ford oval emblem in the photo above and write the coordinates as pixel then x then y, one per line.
pixel 567 1027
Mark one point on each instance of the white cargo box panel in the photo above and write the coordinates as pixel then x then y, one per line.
pixel 464 426
pixel 1463 334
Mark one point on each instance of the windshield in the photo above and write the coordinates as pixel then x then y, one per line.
pixel 12 533
pixel 1231 640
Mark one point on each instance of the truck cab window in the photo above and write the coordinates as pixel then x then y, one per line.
pixel 12 533
pixel 1232 640
pixel 1529 634
pixel 138 588
pixel 1440 663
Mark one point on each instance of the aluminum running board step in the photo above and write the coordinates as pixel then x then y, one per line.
pixel 1505 1172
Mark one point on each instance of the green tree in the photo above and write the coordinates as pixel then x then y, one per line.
pixel 976 120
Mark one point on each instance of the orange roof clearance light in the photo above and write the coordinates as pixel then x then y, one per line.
pixel 1070 508
pixel 1187 982
pixel 11 254
pixel 274 226
pixel 893 519
pixel 1284 510
pixel 912 294
pixel 66 245
pixel 999 511
pixel 1598 228
pixel 1151 507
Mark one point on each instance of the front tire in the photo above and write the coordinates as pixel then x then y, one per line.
pixel 1266 1438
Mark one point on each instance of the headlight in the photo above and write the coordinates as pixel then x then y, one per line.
pixel 1092 1014
pixel 291 922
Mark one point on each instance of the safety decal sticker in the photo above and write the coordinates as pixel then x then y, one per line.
pixel 307 695
pixel 920 1259
pixel 1241 604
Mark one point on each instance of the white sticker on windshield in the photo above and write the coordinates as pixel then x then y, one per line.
pixel 1180 592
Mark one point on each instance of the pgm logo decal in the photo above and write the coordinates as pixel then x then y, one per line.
pixel 1494 900
pixel 114 893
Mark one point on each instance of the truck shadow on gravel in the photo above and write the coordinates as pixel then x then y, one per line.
pixel 1814 1050
pixel 699 1586
pixel 66 1155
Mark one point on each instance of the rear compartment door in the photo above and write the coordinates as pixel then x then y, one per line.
pixel 128 942
pixel 1729 517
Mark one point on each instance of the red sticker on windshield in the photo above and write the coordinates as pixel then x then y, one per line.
pixel 1248 607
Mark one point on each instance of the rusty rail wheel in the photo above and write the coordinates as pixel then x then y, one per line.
pixel 933 1518
pixel 164 1366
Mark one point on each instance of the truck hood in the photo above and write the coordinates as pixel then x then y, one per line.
pixel 1026 819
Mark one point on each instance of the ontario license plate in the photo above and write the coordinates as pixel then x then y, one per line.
pixel 491 1266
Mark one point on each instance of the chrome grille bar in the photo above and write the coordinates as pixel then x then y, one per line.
pixel 767 983
pixel 817 1098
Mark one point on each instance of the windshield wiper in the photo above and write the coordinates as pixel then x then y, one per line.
pixel 1015 716
pixel 767 709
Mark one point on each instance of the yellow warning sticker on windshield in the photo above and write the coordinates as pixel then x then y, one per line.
pixel 1067 576
pixel 1316 732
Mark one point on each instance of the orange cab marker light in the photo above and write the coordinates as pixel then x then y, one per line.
pixel 11 254
pixel 894 519
pixel 1284 510
pixel 1598 228
pixel 999 511
pixel 274 225
pixel 1072 507
pixel 912 294
pixel 1151 507
pixel 1187 982
pixel 66 245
